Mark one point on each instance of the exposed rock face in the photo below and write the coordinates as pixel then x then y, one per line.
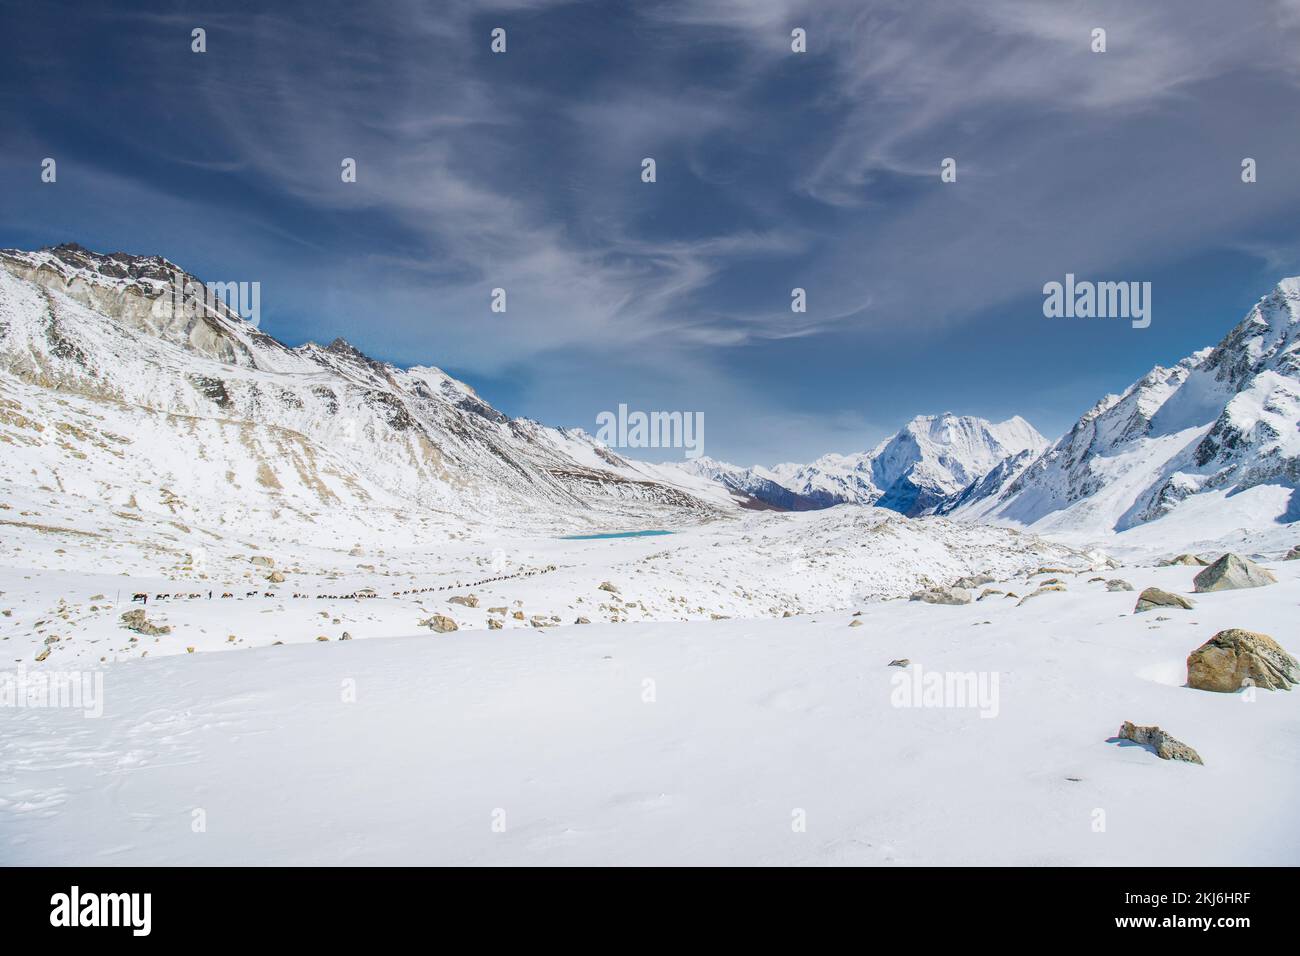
pixel 856 622
pixel 974 581
pixel 1230 658
pixel 494 624
pixel 1154 597
pixel 1167 748
pixel 262 561
pixel 468 600
pixel 275 577
pixel 1293 554
pixel 136 621
pixel 1188 559
pixel 1231 572
pixel 606 586
pixel 440 624
pixel 900 662
pixel 942 596
pixel 1118 584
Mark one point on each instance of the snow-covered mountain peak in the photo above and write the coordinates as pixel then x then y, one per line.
pixel 1223 420
pixel 713 468
pixel 1267 338
pixel 927 460
pixel 966 441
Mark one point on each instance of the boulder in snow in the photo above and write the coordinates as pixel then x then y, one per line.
pixel 1166 747
pixel 1043 590
pixel 440 624
pixel 1231 658
pixel 136 621
pixel 1231 572
pixel 1154 597
pixel 942 596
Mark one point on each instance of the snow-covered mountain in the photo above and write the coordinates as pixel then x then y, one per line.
pixel 110 391
pixel 1221 422
pixel 930 459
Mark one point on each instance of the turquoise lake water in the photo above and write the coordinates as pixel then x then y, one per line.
pixel 611 534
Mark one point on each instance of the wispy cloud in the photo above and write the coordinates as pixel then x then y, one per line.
pixel 775 170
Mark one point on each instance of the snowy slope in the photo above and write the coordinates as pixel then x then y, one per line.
pixel 672 743
pixel 78 327
pixel 1218 423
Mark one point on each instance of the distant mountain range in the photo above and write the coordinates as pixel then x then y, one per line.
pixel 107 390
pixel 928 461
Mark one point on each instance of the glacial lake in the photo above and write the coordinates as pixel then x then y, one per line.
pixel 611 534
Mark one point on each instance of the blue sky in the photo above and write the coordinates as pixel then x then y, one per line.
pixel 775 170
